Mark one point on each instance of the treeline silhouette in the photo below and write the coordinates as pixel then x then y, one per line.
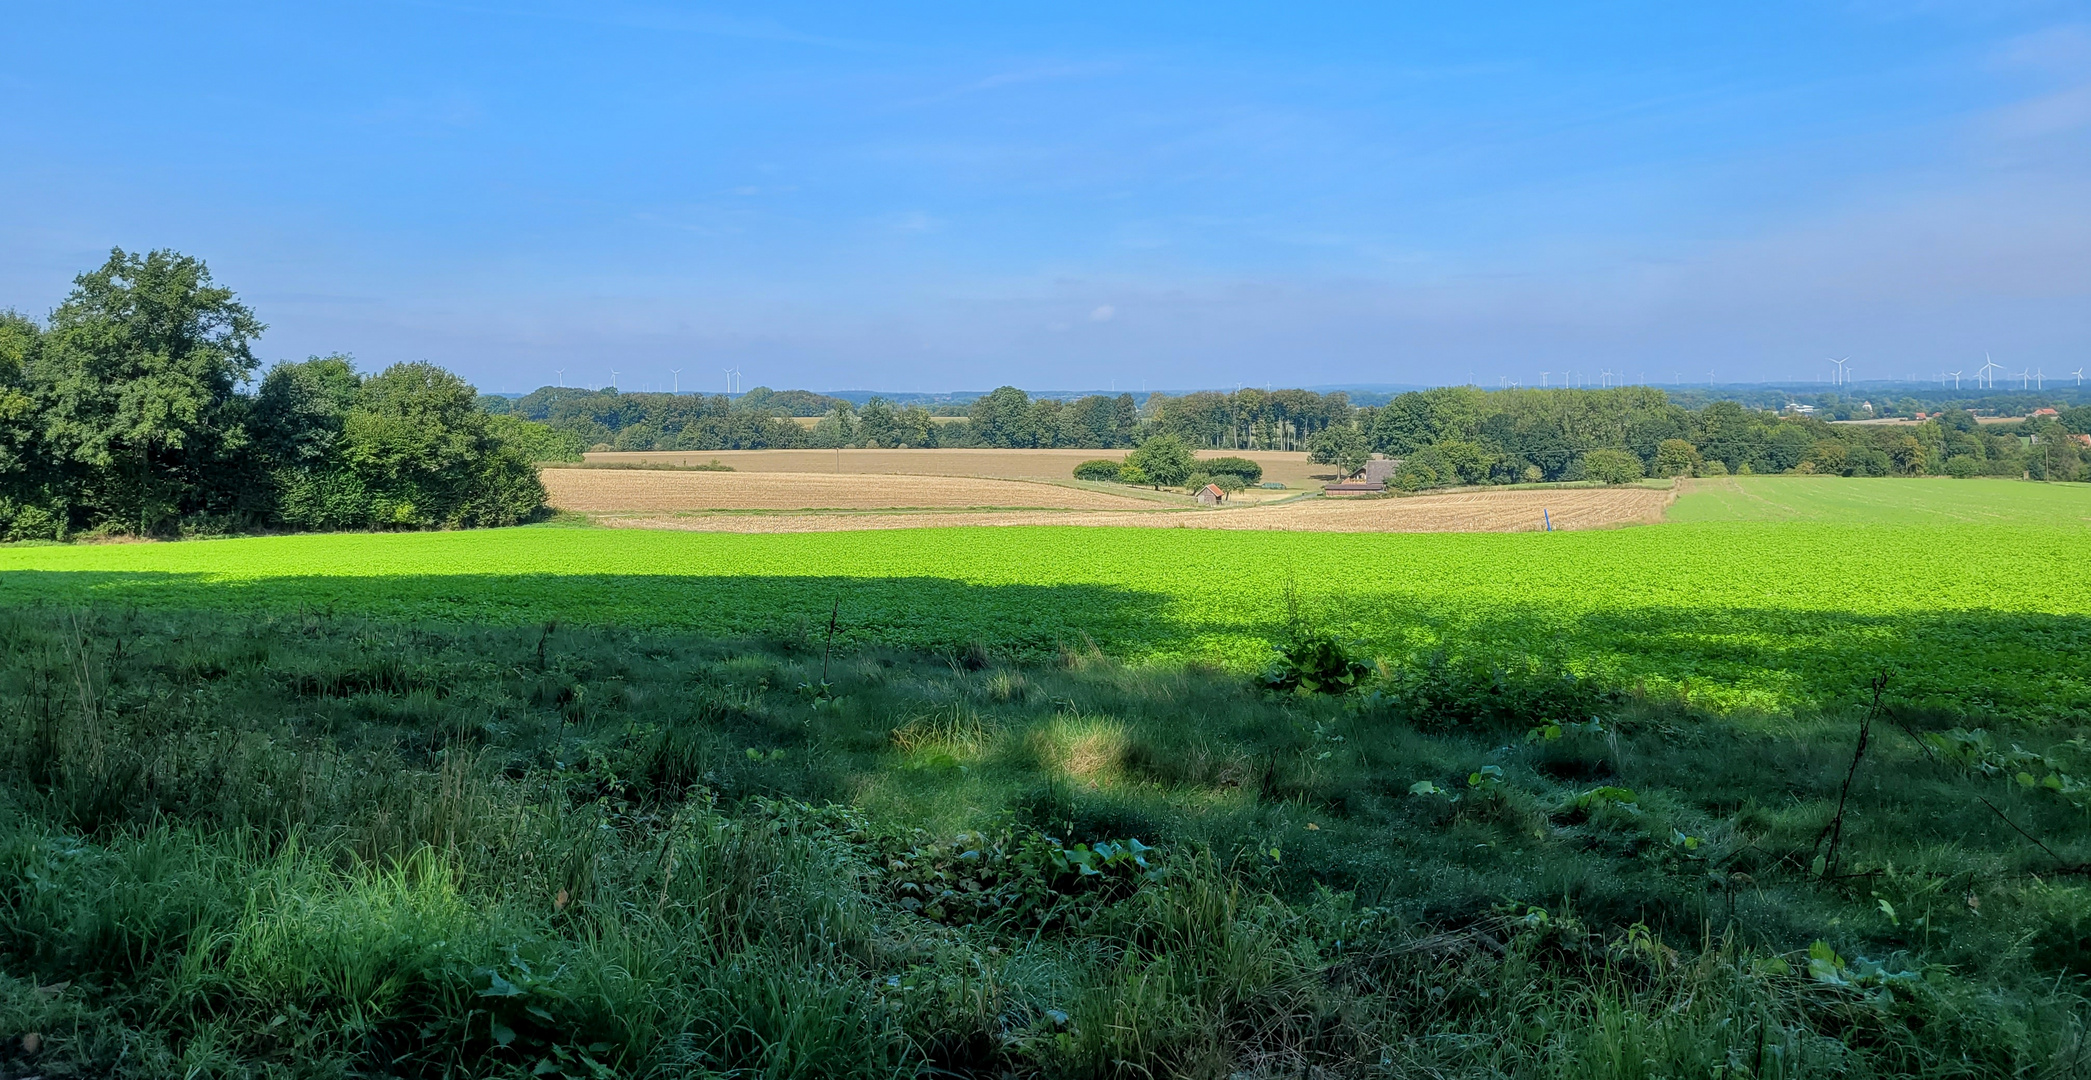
pixel 1444 436
pixel 125 412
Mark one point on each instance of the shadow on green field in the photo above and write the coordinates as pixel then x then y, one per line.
pixel 466 848
pixel 1763 660
pixel 913 612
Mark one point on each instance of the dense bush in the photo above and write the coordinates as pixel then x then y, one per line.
pixel 414 451
pixel 1610 466
pixel 1248 472
pixel 125 414
pixel 1438 693
pixel 1102 470
pixel 1163 461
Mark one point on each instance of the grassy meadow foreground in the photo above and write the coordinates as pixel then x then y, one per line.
pixel 595 802
pixel 309 845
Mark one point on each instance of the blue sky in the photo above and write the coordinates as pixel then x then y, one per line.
pixel 947 196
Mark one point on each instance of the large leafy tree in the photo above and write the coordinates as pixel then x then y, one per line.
pixel 1163 460
pixel 1003 418
pixel 302 408
pixel 136 382
pixel 426 456
pixel 1344 447
pixel 21 512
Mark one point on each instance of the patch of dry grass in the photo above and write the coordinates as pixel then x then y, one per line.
pixel 649 490
pixel 1290 468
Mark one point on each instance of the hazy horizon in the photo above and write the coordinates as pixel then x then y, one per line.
pixel 924 197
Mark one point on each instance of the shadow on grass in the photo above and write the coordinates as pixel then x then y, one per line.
pixel 912 612
pixel 2014 665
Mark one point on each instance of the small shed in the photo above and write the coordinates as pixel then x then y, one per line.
pixel 1211 495
pixel 1380 470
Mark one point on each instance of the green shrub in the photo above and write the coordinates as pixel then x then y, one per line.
pixel 1164 460
pixel 1247 471
pixel 1676 457
pixel 1103 470
pixel 1610 466
pixel 536 442
pixel 1437 692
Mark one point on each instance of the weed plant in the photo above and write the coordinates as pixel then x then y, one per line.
pixel 305 844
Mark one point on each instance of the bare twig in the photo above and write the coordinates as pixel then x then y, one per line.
pixel 830 650
pixel 1919 740
pixel 1829 863
pixel 2066 865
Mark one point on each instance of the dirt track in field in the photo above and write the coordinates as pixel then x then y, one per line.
pixel 654 490
pixel 1481 511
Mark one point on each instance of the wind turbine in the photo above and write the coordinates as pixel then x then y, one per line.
pixel 561 372
pixel 1987 365
pixel 2022 380
pixel 1842 375
pixel 1542 379
pixel 675 380
pixel 2039 379
pixel 2079 373
pixel 1956 379
pixel 613 380
pixel 736 378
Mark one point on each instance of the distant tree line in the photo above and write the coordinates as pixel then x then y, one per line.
pixel 127 412
pixel 1855 402
pixel 1457 435
pixel 1462 435
pixel 1004 418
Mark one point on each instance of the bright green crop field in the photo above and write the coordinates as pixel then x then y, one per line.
pixel 1885 501
pixel 1770 616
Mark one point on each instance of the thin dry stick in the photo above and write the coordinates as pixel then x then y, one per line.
pixel 830 650
pixel 1829 863
pixel 2072 867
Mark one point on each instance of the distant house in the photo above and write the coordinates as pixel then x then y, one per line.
pixel 1380 470
pixel 2085 439
pixel 1799 409
pixel 2038 413
pixel 1211 495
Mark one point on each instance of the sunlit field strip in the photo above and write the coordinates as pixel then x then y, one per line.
pixel 1767 616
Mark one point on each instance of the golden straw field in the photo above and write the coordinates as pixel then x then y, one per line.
pixel 1290 468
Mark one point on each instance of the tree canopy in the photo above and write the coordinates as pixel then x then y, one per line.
pixel 130 412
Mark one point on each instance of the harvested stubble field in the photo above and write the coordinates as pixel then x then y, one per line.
pixel 1489 511
pixel 646 490
pixel 1290 468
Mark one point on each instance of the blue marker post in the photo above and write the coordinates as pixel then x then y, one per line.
pixel 1548 518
